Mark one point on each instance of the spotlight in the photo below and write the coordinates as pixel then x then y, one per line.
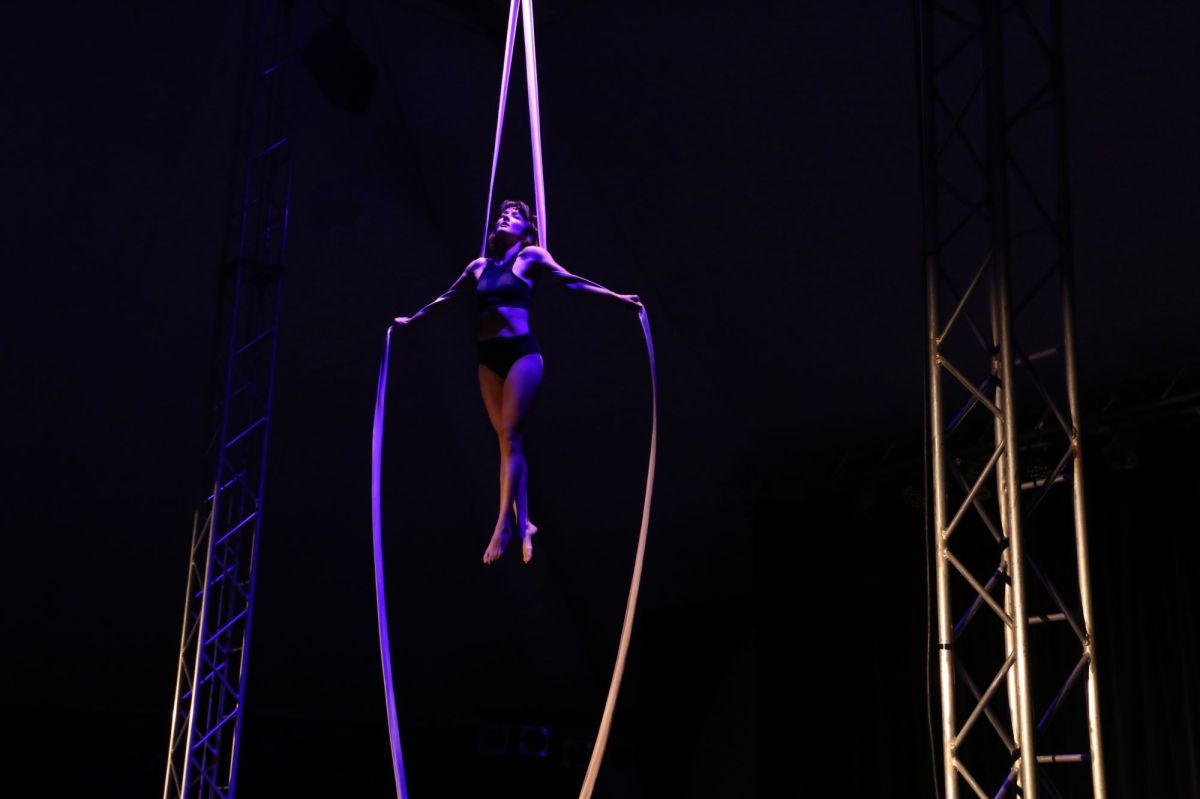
pixel 534 741
pixel 493 740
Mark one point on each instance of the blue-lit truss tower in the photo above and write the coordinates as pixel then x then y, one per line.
pixel 206 723
pixel 1016 649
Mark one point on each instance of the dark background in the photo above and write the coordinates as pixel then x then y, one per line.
pixel 751 172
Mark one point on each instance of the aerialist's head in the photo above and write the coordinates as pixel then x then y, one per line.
pixel 515 223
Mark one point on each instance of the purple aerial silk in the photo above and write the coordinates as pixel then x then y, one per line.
pixel 385 650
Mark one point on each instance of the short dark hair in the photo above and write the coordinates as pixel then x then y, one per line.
pixel 531 231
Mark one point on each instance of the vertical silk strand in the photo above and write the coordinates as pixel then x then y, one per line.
pixel 610 704
pixel 535 123
pixel 505 72
pixel 385 650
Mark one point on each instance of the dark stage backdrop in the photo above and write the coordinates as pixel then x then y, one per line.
pixel 750 171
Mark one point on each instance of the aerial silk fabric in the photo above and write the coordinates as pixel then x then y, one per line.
pixel 610 704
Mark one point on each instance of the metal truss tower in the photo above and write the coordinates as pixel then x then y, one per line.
pixel 1015 635
pixel 206 724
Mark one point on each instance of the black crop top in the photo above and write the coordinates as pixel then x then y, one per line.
pixel 499 287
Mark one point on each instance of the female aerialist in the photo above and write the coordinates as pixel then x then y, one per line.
pixel 510 364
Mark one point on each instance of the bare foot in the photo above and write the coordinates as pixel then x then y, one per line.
pixel 496 546
pixel 527 543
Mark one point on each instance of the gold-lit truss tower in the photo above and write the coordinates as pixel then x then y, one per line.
pixel 1016 648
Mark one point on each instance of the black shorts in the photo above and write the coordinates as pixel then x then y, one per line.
pixel 501 352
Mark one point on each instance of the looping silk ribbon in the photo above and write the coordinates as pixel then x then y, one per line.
pixel 593 770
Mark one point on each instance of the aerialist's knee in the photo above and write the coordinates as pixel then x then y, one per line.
pixel 511 438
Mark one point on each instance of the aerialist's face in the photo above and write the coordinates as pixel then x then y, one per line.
pixel 512 224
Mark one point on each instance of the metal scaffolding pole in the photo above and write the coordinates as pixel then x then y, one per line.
pixel 1004 402
pixel 206 723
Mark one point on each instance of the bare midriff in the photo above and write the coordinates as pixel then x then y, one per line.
pixel 503 321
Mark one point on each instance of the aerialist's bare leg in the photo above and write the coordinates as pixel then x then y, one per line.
pixel 507 402
pixel 492 388
pixel 520 387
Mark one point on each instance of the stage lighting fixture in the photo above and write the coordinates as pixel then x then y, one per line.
pixel 534 741
pixel 493 739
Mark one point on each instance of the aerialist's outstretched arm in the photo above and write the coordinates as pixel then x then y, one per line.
pixel 450 295
pixel 548 267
